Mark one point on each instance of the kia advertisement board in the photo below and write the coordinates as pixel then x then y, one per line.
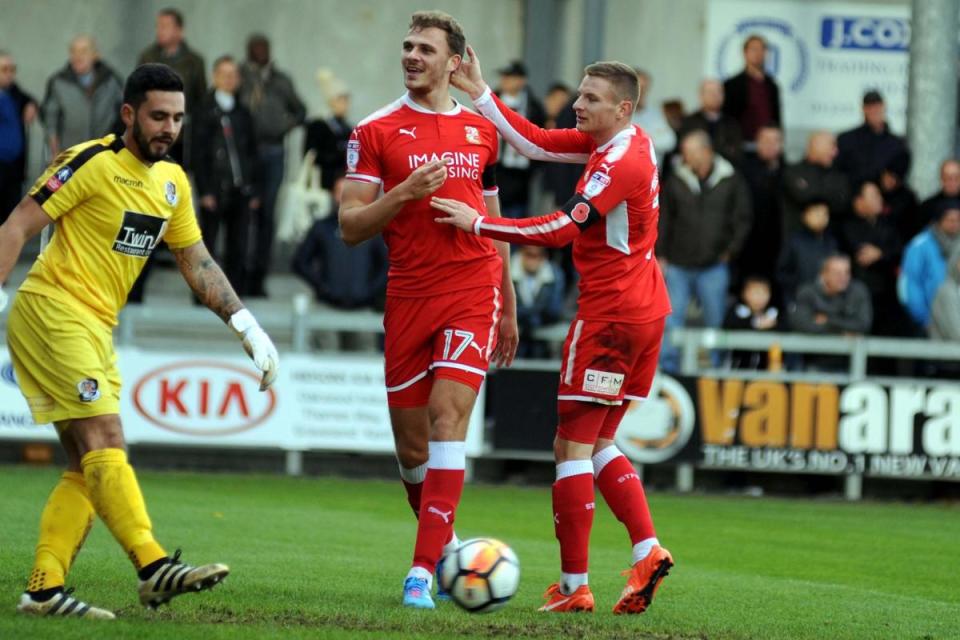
pixel 824 55
pixel 317 403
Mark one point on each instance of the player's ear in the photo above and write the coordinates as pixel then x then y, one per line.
pixel 454 62
pixel 127 114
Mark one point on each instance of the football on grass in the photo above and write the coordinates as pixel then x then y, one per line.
pixel 481 575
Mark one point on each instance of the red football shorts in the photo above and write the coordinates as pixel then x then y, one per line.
pixel 449 336
pixel 604 363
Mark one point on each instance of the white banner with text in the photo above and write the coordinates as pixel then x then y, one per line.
pixel 824 55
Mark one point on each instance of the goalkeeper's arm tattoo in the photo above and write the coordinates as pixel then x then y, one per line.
pixel 207 280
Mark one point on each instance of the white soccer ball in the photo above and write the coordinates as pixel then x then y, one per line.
pixel 481 575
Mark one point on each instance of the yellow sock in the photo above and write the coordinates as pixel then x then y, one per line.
pixel 64 525
pixel 116 497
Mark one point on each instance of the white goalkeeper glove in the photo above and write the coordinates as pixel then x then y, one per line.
pixel 3 299
pixel 258 346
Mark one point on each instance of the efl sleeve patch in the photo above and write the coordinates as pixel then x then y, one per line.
pixel 596 184
pixel 581 211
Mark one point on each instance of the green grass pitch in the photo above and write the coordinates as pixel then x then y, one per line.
pixel 325 558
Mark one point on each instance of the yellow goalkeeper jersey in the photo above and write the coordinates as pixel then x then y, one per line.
pixel 110 211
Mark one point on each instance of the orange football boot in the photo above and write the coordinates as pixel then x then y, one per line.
pixel 579 601
pixel 644 578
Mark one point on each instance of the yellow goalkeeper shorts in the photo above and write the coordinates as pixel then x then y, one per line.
pixel 63 359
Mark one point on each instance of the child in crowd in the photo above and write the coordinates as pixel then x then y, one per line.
pixel 752 312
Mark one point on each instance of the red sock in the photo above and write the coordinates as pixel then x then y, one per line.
pixel 438 504
pixel 620 485
pixel 573 508
pixel 414 490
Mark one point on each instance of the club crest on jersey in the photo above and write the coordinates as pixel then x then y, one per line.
pixel 473 135
pixel 170 191
pixel 59 178
pixel 597 183
pixel 89 390
pixel 139 234
pixel 353 155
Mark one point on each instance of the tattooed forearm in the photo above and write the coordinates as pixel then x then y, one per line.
pixel 207 280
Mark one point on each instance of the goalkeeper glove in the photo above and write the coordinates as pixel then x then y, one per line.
pixel 257 344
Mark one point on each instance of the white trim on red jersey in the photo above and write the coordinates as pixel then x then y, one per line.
pixel 403 385
pixel 361 177
pixel 568 374
pixel 496 320
pixel 618 228
pixel 383 112
pixel 486 222
pixel 407 100
pixel 613 403
pixel 457 365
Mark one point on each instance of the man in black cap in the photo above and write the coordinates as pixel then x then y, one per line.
pixel 515 171
pixel 870 148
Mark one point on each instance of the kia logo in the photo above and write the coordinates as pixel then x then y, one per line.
pixel 203 398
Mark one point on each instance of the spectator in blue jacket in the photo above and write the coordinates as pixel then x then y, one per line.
pixel 540 288
pixel 341 276
pixel 924 266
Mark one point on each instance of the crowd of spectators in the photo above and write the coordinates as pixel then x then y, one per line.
pixel 836 243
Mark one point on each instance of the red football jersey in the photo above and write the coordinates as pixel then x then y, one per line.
pixel 612 220
pixel 426 258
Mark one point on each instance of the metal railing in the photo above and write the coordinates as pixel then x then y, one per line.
pixel 859 349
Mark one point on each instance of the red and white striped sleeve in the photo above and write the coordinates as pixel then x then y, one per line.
pixel 549 145
pixel 555 229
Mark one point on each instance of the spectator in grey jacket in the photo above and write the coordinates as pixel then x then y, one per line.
pixel 834 304
pixel 271 98
pixel 945 315
pixel 83 99
pixel 705 216
pixel 171 49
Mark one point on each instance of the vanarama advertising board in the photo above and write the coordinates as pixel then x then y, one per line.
pixel 909 430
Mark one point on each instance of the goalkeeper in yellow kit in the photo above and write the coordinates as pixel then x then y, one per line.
pixel 112 200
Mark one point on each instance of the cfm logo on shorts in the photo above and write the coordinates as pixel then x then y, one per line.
pixel 658 428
